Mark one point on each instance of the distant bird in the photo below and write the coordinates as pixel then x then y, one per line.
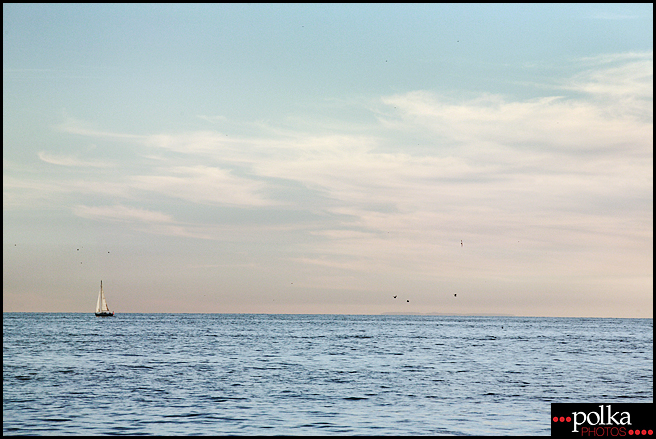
pixel 461 243
pixel 455 295
pixel 407 301
pixel 395 297
pixel 78 249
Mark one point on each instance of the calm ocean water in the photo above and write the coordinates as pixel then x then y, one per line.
pixel 256 374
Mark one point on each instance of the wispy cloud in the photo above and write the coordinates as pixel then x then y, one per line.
pixel 622 83
pixel 507 166
pixel 212 119
pixel 204 185
pixel 68 160
pixel 549 124
pixel 121 213
pixel 147 221
pixel 75 126
pixel 22 193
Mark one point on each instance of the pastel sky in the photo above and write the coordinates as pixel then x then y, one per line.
pixel 324 158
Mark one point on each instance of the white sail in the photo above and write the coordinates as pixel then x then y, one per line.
pixel 101 305
pixel 102 298
pixel 100 294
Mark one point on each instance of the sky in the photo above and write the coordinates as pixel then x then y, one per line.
pixel 325 158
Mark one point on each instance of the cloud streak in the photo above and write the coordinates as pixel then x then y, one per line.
pixel 121 213
pixel 204 185
pixel 66 160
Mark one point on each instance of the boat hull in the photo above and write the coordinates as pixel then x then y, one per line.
pixel 104 314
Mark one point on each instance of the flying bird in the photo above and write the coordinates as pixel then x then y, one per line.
pixel 455 295
pixel 407 301
pixel 395 297
pixel 461 243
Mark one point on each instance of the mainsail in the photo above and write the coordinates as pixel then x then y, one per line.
pixel 101 305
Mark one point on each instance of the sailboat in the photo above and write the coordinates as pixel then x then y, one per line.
pixel 102 310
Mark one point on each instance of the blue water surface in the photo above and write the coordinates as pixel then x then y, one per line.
pixel 258 374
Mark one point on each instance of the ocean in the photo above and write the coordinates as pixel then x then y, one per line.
pixel 260 374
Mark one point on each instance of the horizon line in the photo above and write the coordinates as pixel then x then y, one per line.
pixel 346 314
